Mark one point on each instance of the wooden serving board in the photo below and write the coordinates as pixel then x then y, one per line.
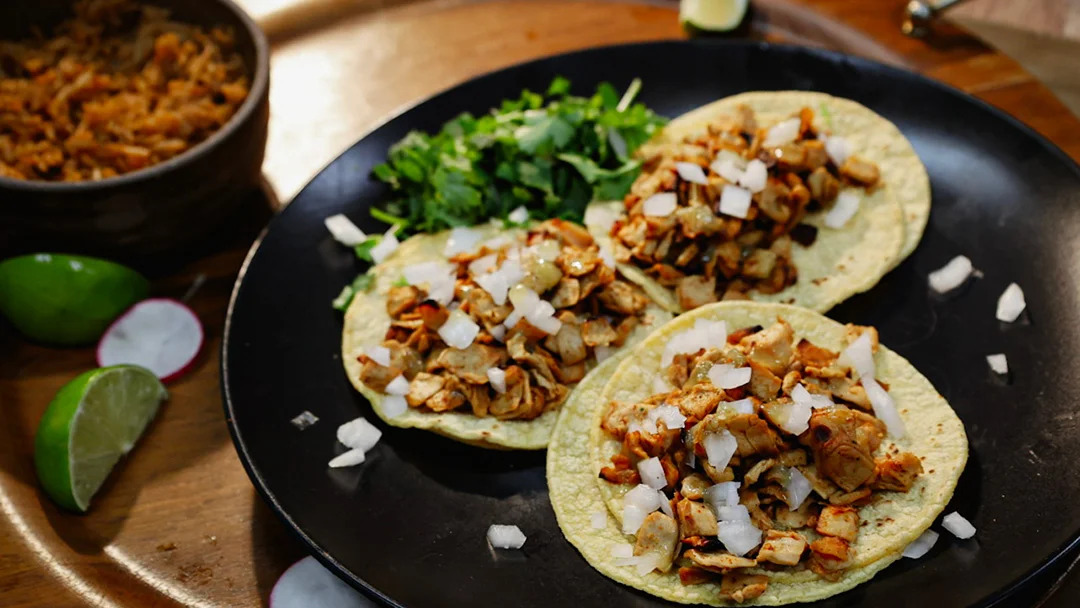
pixel 179 523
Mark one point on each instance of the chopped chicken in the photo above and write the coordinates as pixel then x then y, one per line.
pixel 842 522
pixel 422 387
pixel 471 363
pixel 695 519
pixel 622 298
pixel 771 347
pixel 718 562
pixel 694 486
pixel 861 171
pixel 784 548
pixel 842 447
pixel 897 472
pixel 743 587
pixel 401 300
pixel 567 293
pixel 829 555
pixel 694 291
pixel 598 332
pixel 658 536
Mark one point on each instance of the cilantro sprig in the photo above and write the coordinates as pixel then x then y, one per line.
pixel 552 153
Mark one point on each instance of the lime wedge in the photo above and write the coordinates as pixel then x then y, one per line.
pixel 712 15
pixel 66 299
pixel 90 423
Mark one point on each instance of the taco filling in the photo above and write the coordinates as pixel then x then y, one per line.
pixel 502 328
pixel 758 460
pixel 713 216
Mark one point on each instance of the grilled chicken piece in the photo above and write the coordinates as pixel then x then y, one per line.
pixel 718 562
pixel 403 361
pixel 753 435
pixel 843 442
pixel 448 398
pixel 567 293
pixel 861 171
pixel 855 497
pixel 842 522
pixel 695 290
pixel 694 486
pixel 567 343
pixel 829 555
pixel 477 397
pixel 763 383
pixel 504 405
pixel 621 471
pixel 598 332
pixel 658 536
pixel 422 387
pixel 566 232
pixel 759 264
pixel 816 155
pixel 570 374
pixel 471 363
pixel 695 518
pixel 742 587
pixel 620 297
pixel 401 299
pixel 793 458
pixel 697 220
pixel 600 276
pixel 645 445
pixel 813 356
pixel 805 516
pixel 770 347
pixel 698 401
pixel 846 389
pixel 694 576
pixel 823 186
pixel 620 414
pixel 896 473
pixel 728 256
pixel 752 501
pixel 756 471
pixel 784 548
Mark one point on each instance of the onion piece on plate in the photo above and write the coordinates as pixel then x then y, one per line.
pixel 394 406
pixel 843 209
pixel 958 525
pixel 999 363
pixel 1011 303
pixel 349 458
pixel 160 334
pixel 344 231
pixel 378 354
pixel 692 173
pixel 358 434
pixel 661 204
pixel 307 583
pixel 837 148
pixel 600 217
pixel 951 275
pixel 505 537
pixel 860 356
pixel 671 416
pixel 755 176
pixel 398 386
pixel 723 494
pixel 922 545
pixel 386 246
pixel 497 378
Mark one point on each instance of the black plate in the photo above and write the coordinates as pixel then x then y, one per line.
pixel 408 525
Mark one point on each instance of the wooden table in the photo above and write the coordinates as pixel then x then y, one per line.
pixel 179 523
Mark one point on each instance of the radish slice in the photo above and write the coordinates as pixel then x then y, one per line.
pixel 160 334
pixel 306 583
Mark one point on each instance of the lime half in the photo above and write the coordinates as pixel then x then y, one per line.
pixel 712 15
pixel 90 423
pixel 66 299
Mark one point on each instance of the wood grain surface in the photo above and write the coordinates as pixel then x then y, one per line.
pixel 179 523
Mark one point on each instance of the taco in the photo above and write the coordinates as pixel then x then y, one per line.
pixel 480 333
pixel 790 196
pixel 755 453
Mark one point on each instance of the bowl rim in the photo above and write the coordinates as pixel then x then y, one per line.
pixel 259 89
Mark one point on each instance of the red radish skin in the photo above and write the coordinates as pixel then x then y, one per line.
pixel 144 334
pixel 306 584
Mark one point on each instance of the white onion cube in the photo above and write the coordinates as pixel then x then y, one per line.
pixel 661 204
pixel 719 448
pixel 386 246
pixel 350 458
pixel 692 173
pixel 922 545
pixel 755 177
pixel 725 375
pixel 958 525
pixel 1011 303
pixel 782 133
pixel 735 201
pixel 519 215
pixel 999 363
pixel 344 231
pixel 459 330
pixel 398 386
pixel 497 378
pixel 394 406
pixel 652 473
pixel 951 275
pixel 505 537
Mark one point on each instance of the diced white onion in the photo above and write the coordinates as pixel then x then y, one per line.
pixel 499 282
pixel 498 242
pixel 358 434
pixel 998 363
pixel 723 494
pixel 528 305
pixel 632 518
pixel 719 448
pixel 645 564
pixel 813 400
pixel 498 332
pixel 386 246
pixel 600 217
pixel 1011 303
pixel 661 204
pixel 607 256
pixel 922 545
pixel 505 537
pixel 884 407
pixel 844 208
pixel 705 334
pixel 782 133
pixel 729 165
pixel 599 520
pixel 796 489
pixel 837 148
pixel 659 385
pixel 547 250
pixel 350 458
pixel 691 459
pixel 483 264
pixel 732 513
pixel 622 550
pixel 692 173
pixel 860 356
pixel 344 231
pixel 671 416
pixel 665 504
pixel 497 378
pixel 798 418
pixel 603 352
pixel 459 330
pixel 394 406
pixel 462 240
pixel 735 201
pixel 519 215
pixel 398 386
pixel 742 406
pixel 378 354
pixel 739 537
pixel 755 177
pixel 951 275
pixel 958 525
pixel 727 376
pixel 652 473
